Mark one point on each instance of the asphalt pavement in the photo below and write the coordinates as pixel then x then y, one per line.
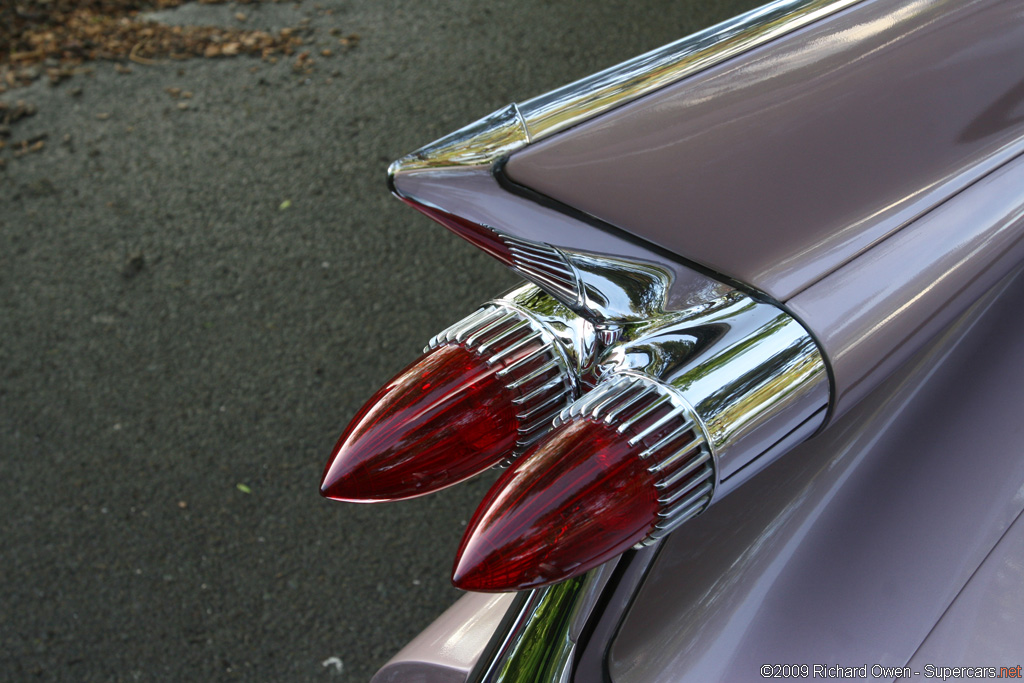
pixel 202 277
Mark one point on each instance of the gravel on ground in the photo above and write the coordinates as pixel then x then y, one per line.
pixel 202 277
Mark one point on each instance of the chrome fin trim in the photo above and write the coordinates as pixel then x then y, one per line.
pixel 499 134
pixel 478 144
pixel 567 106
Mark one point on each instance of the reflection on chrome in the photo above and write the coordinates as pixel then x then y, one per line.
pixel 751 373
pixel 506 130
pixel 539 640
pixel 576 336
pixel 603 289
pixel 619 291
pixel 478 144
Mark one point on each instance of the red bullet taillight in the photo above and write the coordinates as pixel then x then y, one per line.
pixel 699 384
pixel 482 391
pixel 625 464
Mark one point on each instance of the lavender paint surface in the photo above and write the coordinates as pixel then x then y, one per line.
pixel 848 550
pixel 862 171
pixel 780 165
pixel 985 623
pixel 878 310
pixel 447 649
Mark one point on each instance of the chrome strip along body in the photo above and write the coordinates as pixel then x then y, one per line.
pixel 565 107
pixel 509 129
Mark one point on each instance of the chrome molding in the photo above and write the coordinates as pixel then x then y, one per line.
pixel 561 344
pixel 541 637
pixel 750 373
pixel 679 458
pixel 616 290
pixel 576 336
pixel 478 144
pixel 547 266
pixel 569 105
pixel 503 132
pixel 601 288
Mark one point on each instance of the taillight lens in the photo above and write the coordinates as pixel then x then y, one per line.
pixel 483 391
pixel 482 237
pixel 626 463
pixel 538 262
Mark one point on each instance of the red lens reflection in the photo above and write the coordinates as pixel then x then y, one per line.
pixel 576 499
pixel 442 419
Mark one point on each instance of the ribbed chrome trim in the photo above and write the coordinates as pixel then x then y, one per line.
pixel 747 369
pixel 675 446
pixel 542 378
pixel 547 266
pixel 509 129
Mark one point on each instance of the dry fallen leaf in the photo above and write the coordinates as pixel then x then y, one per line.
pixel 70 32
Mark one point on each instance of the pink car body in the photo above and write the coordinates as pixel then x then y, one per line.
pixel 855 165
